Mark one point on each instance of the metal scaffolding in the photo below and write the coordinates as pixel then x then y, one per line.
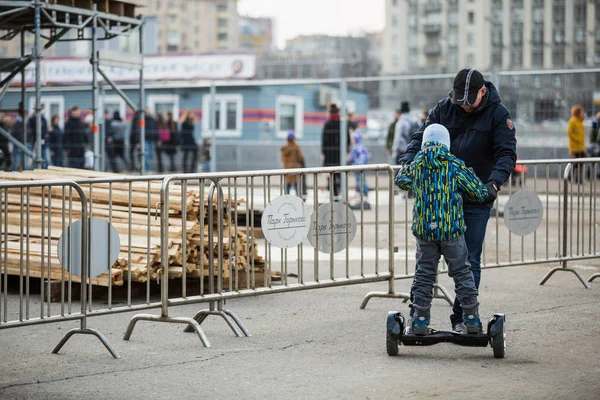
pixel 52 20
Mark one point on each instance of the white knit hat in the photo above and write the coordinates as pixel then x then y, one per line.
pixel 436 133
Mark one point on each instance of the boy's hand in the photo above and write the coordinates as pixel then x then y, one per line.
pixel 492 189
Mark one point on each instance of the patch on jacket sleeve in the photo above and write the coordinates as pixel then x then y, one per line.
pixel 509 123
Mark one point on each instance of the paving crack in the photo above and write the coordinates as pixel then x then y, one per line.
pixel 2 388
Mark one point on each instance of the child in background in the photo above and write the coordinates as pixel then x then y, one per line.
pixel 359 155
pixel 291 157
pixel 438 181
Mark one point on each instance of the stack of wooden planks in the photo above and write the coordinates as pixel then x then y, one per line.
pixel 131 209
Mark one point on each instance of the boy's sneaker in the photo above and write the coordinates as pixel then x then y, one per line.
pixel 366 205
pixel 420 325
pixel 471 318
pixel 420 320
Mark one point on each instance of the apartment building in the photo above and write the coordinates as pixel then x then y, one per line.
pixel 437 36
pixel 195 25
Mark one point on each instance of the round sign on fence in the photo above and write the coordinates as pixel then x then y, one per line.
pixel 324 227
pixel 285 221
pixel 523 213
pixel 102 256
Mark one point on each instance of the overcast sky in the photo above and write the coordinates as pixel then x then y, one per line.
pixel 332 17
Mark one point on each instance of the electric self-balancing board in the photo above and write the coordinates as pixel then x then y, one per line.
pixel 398 334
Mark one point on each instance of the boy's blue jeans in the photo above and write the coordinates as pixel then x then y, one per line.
pixel 428 257
pixel 362 183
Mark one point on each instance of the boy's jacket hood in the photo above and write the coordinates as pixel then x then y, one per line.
pixel 432 155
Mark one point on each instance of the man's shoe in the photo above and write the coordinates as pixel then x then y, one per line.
pixel 459 327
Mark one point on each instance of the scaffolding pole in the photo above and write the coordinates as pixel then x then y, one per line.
pixel 142 116
pixel 39 161
pixel 94 62
pixel 23 94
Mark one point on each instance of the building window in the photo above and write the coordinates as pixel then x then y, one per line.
pixel 559 36
pixel 395 62
pixel 112 103
pixel 171 19
pixel 222 23
pixel 579 12
pixel 537 58
pixel 164 103
pixel 471 17
pixel 221 7
pixel 580 35
pixel 579 56
pixel 497 60
pixel 54 105
pixel 173 38
pixel 228 115
pixel 497 37
pixel 452 18
pixel 394 21
pixel 516 58
pixel 289 115
pixel 517 35
pixel 222 36
pixel 537 36
pixel 412 20
pixel 453 38
pixel 558 57
pixel 557 81
pixel 470 39
pixel 394 3
pixel 537 82
pixel 394 40
pixel 470 60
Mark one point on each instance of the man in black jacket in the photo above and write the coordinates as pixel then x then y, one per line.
pixel 482 134
pixel 331 142
pixel 75 138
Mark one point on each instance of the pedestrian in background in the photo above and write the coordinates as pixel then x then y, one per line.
pixel 402 132
pixel 205 155
pixel 17 131
pixel 56 142
pixel 291 157
pixel 330 146
pixel 594 134
pixel 76 138
pixel 359 155
pixel 389 140
pixel 170 147
pixel 116 141
pixel 188 143
pixel 150 140
pixel 5 155
pixel 576 135
pixel 164 136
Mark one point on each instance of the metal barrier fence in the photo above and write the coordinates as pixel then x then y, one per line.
pixel 238 263
pixel 29 249
pixel 260 188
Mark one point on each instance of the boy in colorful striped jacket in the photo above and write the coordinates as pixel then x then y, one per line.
pixel 438 181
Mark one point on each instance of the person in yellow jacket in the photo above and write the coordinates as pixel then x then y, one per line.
pixel 576 135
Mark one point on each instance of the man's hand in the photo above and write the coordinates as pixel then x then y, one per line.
pixel 492 189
